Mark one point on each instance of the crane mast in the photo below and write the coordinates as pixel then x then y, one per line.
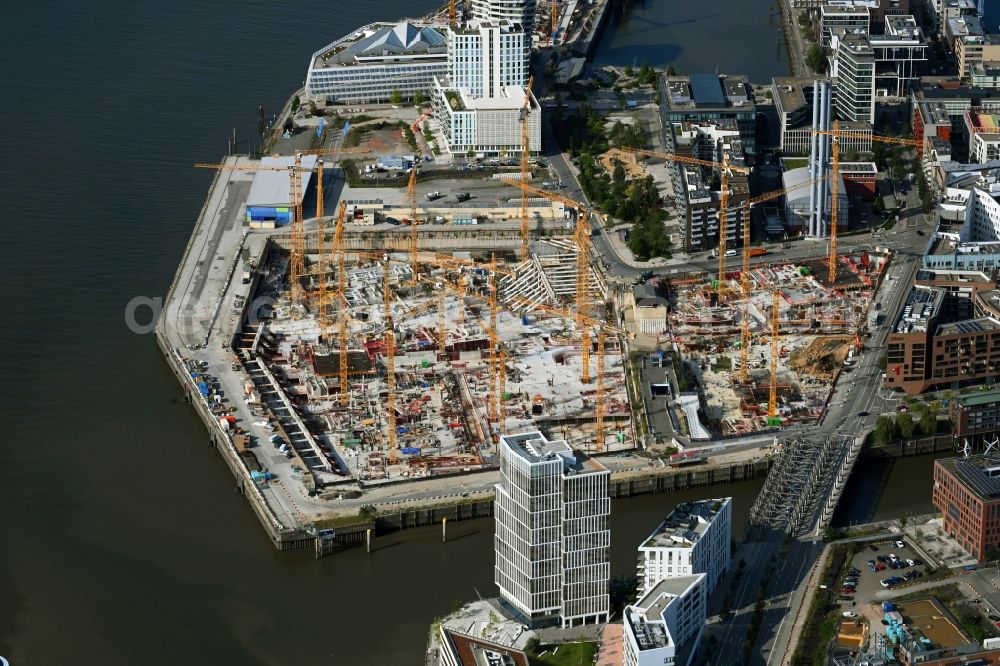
pixel 390 363
pixel 834 182
pixel 411 199
pixel 772 401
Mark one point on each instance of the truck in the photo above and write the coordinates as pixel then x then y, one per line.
pixel 757 252
pixel 246 274
pixel 433 196
pixel 462 196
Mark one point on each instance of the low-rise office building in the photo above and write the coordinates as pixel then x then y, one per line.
pixel 948 334
pixel 967 493
pixel 693 539
pixel 376 61
pixel 666 624
pixel 712 98
pixel 976 414
pixel 986 74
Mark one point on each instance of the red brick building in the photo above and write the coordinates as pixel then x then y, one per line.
pixel 967 493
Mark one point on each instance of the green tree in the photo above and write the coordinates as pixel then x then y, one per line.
pixel 629 71
pixel 671 71
pixel 885 430
pixel 878 206
pixel 619 174
pixel 905 425
pixel 295 104
pixel 804 21
pixel 816 59
pixel 928 423
pixel 395 98
pixel 418 98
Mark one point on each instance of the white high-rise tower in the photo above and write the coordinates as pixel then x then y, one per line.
pixel 552 537
pixel 518 11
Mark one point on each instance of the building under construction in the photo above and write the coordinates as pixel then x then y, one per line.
pixel 767 352
pixel 388 365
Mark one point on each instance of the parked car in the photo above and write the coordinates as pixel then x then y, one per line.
pixel 849 614
pixel 879 567
pixel 872 564
pixel 900 544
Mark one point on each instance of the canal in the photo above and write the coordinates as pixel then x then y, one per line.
pixel 724 36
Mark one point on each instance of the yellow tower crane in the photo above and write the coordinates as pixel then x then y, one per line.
pixel 525 172
pixel 390 364
pixel 296 232
pixel 725 169
pixel 838 133
pixel 411 198
pixel 772 401
pixel 494 368
pixel 581 239
pixel 554 20
pixel 452 18
pixel 745 273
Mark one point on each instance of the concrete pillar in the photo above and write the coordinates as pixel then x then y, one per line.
pixel 824 147
pixel 812 158
pixel 444 529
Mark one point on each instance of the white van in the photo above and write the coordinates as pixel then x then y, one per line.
pixel 730 253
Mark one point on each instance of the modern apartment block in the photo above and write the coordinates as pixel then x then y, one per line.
pixel 947 335
pixel 517 11
pixel 853 67
pixel 373 62
pixel 967 493
pixel 974 50
pixel 852 18
pixel 693 539
pixel 983 131
pixel 710 98
pixel 666 624
pixel 552 537
pixel 480 101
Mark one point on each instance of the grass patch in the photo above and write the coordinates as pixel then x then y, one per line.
pixel 796 162
pixel 567 654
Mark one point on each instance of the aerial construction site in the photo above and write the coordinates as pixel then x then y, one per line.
pixel 398 363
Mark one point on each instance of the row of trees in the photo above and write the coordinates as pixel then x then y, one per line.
pixel 903 426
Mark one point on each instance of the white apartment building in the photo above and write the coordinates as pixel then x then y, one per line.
pixel 853 69
pixel 694 538
pixel 552 538
pixel 666 624
pixel 518 11
pixel 486 56
pixel 852 18
pixel 480 101
pixel 376 60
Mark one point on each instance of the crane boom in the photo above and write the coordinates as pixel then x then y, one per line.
pixel 772 401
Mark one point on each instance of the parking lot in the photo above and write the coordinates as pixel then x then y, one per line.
pixel 867 584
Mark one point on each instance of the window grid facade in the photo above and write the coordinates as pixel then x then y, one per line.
pixel 552 537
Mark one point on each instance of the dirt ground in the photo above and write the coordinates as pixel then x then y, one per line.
pixel 822 357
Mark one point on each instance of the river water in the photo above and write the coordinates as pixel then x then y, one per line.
pixel 123 541
pixel 724 36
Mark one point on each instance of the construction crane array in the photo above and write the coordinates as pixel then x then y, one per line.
pixel 581 239
pixel 725 169
pixel 603 328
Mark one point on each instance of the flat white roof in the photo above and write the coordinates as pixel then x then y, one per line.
pixel 271 188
